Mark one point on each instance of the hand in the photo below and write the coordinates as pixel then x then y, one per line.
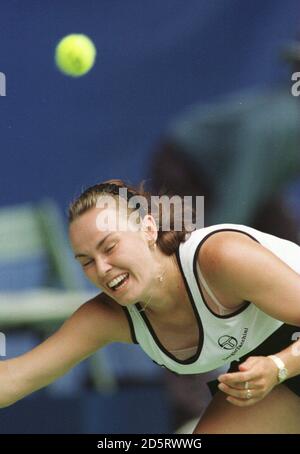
pixel 257 376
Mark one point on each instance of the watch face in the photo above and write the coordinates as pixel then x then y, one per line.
pixel 282 374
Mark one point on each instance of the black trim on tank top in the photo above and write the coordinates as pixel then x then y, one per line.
pixel 195 357
pixel 131 326
pixel 241 309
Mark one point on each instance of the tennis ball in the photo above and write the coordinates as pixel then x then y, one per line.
pixel 75 55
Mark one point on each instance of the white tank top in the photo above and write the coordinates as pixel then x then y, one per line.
pixel 222 338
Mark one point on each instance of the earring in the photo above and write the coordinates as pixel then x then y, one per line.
pixel 152 245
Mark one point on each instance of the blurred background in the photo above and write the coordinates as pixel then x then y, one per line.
pixel 193 96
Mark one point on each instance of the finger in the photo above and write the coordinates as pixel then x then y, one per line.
pixel 234 392
pixel 236 378
pixel 246 365
pixel 238 385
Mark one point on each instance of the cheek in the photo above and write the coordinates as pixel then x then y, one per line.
pixel 91 276
pixel 133 258
pixel 88 272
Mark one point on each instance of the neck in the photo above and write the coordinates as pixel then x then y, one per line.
pixel 167 288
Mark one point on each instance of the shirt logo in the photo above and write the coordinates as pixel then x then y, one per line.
pixel 227 342
pixel 231 343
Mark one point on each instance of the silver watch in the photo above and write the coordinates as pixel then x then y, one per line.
pixel 282 370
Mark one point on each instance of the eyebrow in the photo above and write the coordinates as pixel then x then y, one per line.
pixel 98 246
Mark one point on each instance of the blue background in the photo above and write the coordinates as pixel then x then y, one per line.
pixel 59 134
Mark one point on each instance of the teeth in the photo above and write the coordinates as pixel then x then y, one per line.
pixel 117 280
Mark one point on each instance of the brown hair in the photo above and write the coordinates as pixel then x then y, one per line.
pixel 167 241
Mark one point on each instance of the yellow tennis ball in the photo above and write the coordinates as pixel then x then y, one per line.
pixel 75 55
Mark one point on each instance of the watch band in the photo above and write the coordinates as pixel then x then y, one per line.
pixel 282 370
pixel 279 363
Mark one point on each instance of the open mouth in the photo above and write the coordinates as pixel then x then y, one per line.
pixel 119 282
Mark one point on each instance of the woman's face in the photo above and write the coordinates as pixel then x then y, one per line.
pixel 116 261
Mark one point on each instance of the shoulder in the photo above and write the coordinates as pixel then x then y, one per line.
pixel 226 255
pixel 224 245
pixel 102 315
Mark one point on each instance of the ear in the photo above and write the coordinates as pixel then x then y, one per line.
pixel 149 228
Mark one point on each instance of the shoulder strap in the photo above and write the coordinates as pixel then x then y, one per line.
pixel 222 310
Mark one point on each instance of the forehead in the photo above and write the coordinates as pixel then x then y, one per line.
pixel 98 222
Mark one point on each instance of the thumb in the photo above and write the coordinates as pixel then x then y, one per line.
pixel 246 365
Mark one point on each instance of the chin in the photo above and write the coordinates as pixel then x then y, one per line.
pixel 127 300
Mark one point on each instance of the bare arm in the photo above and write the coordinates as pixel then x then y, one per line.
pixel 95 324
pixel 241 269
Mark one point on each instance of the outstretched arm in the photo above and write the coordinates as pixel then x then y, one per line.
pixel 95 324
pixel 242 269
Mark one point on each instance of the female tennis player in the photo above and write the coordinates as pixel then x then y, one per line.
pixel 193 301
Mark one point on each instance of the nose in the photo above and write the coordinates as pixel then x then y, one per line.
pixel 102 267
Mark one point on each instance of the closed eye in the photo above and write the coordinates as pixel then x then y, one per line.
pixel 84 265
pixel 110 248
